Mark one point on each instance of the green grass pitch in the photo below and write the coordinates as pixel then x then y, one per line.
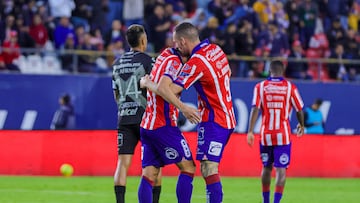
pixel 40 189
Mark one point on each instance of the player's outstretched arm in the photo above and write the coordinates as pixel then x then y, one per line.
pixel 253 117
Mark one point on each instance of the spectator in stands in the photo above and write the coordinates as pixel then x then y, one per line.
pixel 244 46
pixel 314 121
pixel 62 30
pixel 278 41
pixel 2 64
pixel 24 38
pixel 292 10
pixel 297 69
pixel 38 32
pixel 158 26
pixel 199 19
pixel 61 8
pixel 353 18
pixel 336 34
pixel 64 117
pixel 97 39
pixel 219 10
pixel 133 12
pixel 82 14
pixel 265 10
pixel 11 51
pixel 116 32
pixel 338 71
pixel 116 47
pixel 212 32
pixel 351 45
pixel 115 11
pixel 87 62
pixel 7 27
pixel 308 12
pixel 67 60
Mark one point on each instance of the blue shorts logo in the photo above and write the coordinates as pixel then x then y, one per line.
pixel 215 148
pixel 284 159
pixel 171 153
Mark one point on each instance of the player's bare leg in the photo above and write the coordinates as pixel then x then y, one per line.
pixel 148 179
pixel 122 167
pixel 279 183
pixel 266 181
pixel 210 173
pixel 184 185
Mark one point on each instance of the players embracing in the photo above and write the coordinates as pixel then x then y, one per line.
pixel 207 69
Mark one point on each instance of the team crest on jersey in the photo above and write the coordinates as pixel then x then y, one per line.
pixel 264 157
pixel 284 159
pixel 215 148
pixel 171 153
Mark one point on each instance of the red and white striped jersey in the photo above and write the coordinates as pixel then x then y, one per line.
pixel 276 97
pixel 158 112
pixel 209 72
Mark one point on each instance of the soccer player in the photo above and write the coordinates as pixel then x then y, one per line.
pixel 131 102
pixel 162 141
pixel 208 71
pixel 275 97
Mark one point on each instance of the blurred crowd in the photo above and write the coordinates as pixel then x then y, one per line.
pixel 295 29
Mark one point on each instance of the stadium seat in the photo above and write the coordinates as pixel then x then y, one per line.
pixel 52 65
pixel 21 62
pixel 35 64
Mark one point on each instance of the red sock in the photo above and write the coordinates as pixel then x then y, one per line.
pixel 279 189
pixel 265 188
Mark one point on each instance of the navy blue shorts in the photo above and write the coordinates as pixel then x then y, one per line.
pixel 212 139
pixel 163 146
pixel 277 155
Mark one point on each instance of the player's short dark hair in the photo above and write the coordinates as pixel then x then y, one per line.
pixel 133 34
pixel 187 30
pixel 318 101
pixel 66 98
pixel 277 67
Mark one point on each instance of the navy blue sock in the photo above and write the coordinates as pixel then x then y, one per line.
pixel 184 187
pixel 278 193
pixel 214 192
pixel 145 190
pixel 266 193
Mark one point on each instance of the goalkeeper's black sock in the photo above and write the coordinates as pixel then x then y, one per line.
pixel 120 193
pixel 156 194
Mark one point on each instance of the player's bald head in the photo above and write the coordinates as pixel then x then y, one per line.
pixel 277 68
pixel 187 31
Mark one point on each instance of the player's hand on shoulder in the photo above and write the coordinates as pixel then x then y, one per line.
pixel 300 130
pixel 144 81
pixel 250 138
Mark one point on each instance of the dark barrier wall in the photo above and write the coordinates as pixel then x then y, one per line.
pixel 94 153
pixel 29 102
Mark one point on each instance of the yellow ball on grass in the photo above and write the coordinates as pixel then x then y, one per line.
pixel 66 170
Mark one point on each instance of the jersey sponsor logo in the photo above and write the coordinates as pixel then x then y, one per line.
pixel 284 159
pixel 264 157
pixel 185 148
pixel 128 112
pixel 215 148
pixel 214 54
pixel 275 89
pixel 171 153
